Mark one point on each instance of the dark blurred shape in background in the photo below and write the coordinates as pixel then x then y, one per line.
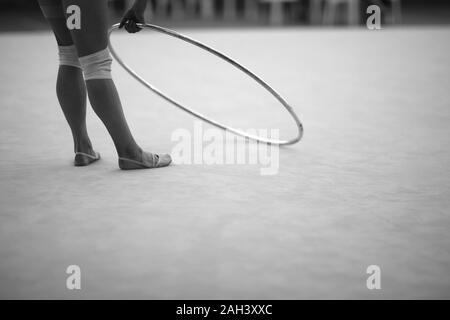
pixel 25 14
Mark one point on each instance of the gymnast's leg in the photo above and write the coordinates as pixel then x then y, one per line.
pixel 91 42
pixel 70 86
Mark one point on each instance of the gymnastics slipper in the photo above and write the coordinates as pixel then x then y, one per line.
pixel 83 159
pixel 149 161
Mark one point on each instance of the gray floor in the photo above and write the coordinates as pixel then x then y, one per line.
pixel 369 183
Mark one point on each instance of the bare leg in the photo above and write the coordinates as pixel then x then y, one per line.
pixel 71 91
pixel 70 86
pixel 92 38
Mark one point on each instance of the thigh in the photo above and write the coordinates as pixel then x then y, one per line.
pixel 54 13
pixel 93 34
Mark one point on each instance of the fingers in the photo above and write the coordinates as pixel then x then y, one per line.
pixel 131 26
pixel 125 19
pixel 131 20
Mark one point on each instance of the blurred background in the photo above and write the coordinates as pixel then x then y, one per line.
pixel 25 14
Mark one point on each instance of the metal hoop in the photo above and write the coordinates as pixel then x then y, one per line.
pixel 195 113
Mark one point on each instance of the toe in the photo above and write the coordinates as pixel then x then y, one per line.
pixel 164 160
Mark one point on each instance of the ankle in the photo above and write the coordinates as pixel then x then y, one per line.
pixel 132 151
pixel 83 145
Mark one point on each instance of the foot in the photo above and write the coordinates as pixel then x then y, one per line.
pixel 148 161
pixel 83 159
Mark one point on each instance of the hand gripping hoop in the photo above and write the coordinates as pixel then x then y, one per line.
pixel 195 113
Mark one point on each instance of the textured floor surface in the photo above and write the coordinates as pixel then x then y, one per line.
pixel 368 184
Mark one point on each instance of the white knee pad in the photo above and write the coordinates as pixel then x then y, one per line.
pixel 97 65
pixel 68 56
